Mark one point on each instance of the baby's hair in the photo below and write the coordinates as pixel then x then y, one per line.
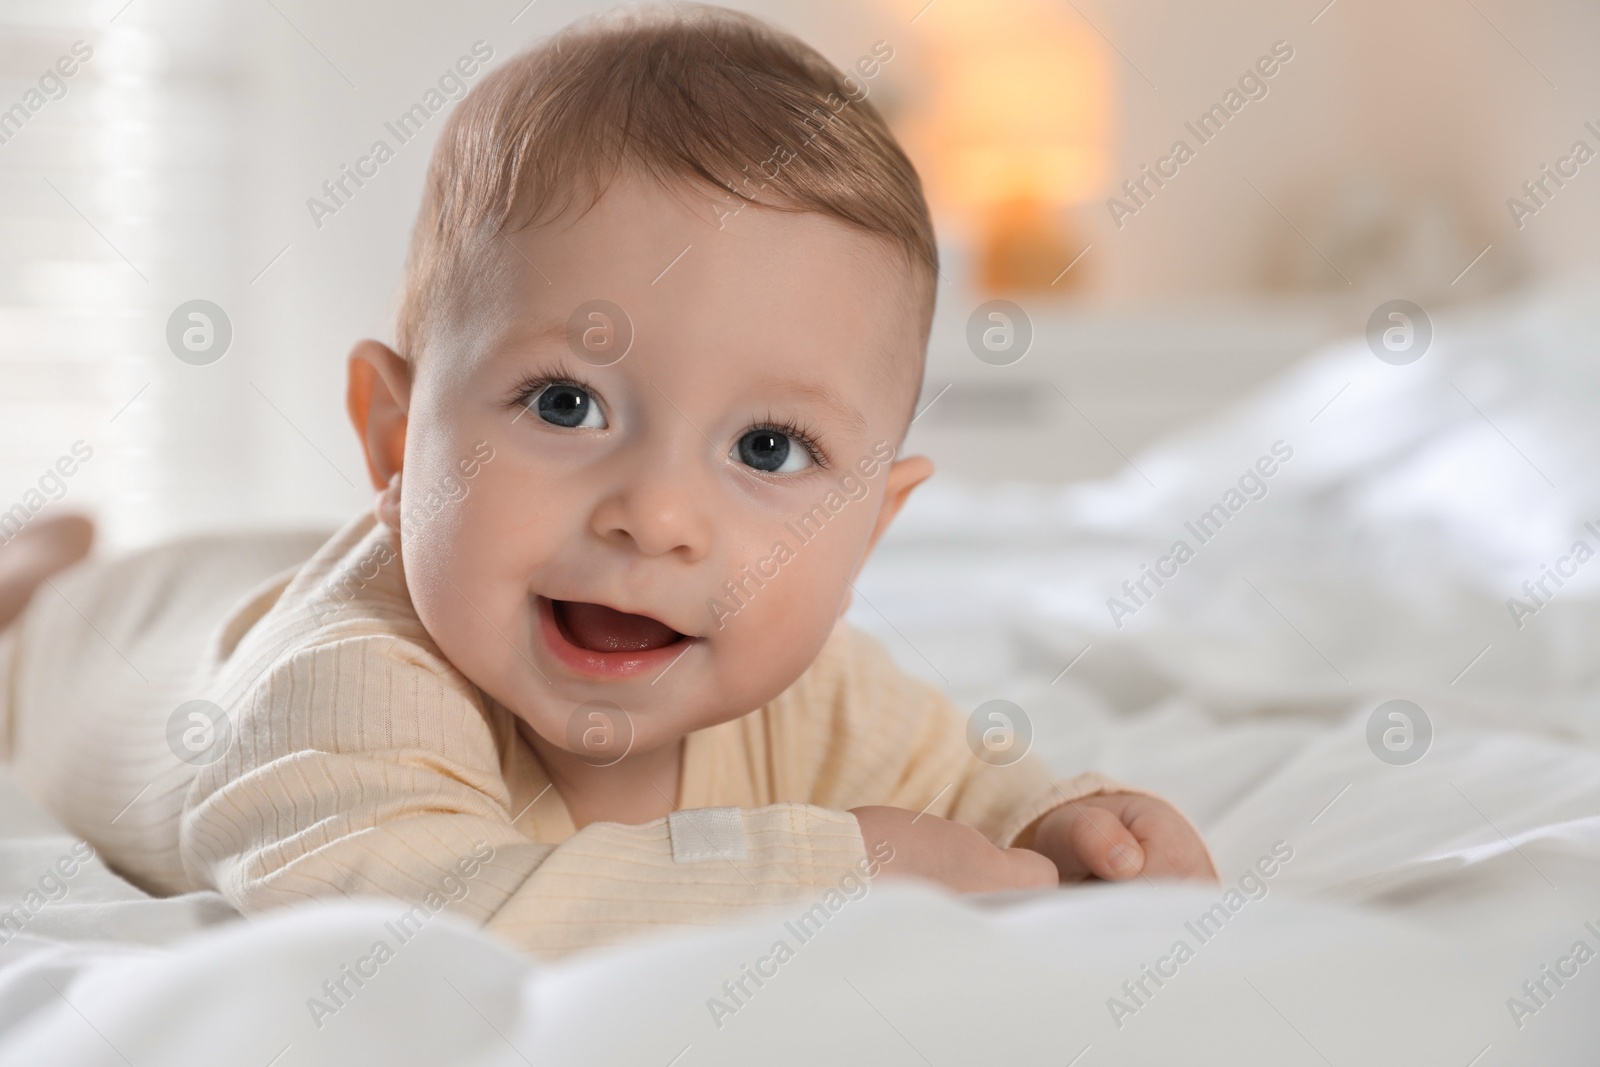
pixel 689 93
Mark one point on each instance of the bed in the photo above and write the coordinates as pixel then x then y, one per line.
pixel 1421 889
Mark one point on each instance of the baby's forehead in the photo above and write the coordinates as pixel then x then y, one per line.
pixel 764 295
pixel 635 219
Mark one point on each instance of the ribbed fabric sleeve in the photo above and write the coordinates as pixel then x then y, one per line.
pixel 369 767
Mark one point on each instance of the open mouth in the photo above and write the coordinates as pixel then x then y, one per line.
pixel 600 641
pixel 597 628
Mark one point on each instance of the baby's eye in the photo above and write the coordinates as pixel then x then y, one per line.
pixel 773 452
pixel 566 405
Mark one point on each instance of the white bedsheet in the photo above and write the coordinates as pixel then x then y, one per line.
pixel 1419 898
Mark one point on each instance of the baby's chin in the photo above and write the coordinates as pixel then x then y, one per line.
pixel 603 731
pixel 602 724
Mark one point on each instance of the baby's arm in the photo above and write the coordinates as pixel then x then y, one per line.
pixel 951 853
pixel 367 767
pixel 1113 836
pixel 902 763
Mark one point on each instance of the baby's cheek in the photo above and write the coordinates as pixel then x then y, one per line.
pixel 443 596
pixel 469 584
pixel 769 635
pixel 762 655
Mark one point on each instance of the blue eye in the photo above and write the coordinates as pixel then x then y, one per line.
pixel 570 406
pixel 772 451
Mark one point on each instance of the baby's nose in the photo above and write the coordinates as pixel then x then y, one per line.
pixel 660 510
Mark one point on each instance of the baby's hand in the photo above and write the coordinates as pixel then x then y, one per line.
pixel 1116 836
pixel 950 853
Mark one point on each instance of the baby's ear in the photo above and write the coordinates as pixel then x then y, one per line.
pixel 904 476
pixel 377 396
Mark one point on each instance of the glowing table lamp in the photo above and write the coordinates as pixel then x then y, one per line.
pixel 1016 133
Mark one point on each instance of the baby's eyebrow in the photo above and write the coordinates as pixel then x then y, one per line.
pixel 543 333
pixel 825 395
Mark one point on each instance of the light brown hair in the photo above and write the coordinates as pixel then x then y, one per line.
pixel 689 93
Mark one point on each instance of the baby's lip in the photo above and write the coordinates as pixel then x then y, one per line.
pixel 598 627
pixel 612 660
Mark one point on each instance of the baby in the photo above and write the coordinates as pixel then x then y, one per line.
pixel 582 670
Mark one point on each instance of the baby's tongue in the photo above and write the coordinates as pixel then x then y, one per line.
pixel 602 629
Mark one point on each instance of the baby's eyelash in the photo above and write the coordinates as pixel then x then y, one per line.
pixel 800 432
pixel 532 385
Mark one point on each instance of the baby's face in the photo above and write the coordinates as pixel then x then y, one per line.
pixel 674 533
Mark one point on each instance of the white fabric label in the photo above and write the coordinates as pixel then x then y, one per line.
pixel 706 834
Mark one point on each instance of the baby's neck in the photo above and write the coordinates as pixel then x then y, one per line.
pixel 640 787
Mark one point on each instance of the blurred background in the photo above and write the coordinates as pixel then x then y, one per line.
pixel 1378 161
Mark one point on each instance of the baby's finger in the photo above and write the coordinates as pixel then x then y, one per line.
pixel 1173 849
pixel 1106 848
pixel 1176 852
pixel 1030 870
